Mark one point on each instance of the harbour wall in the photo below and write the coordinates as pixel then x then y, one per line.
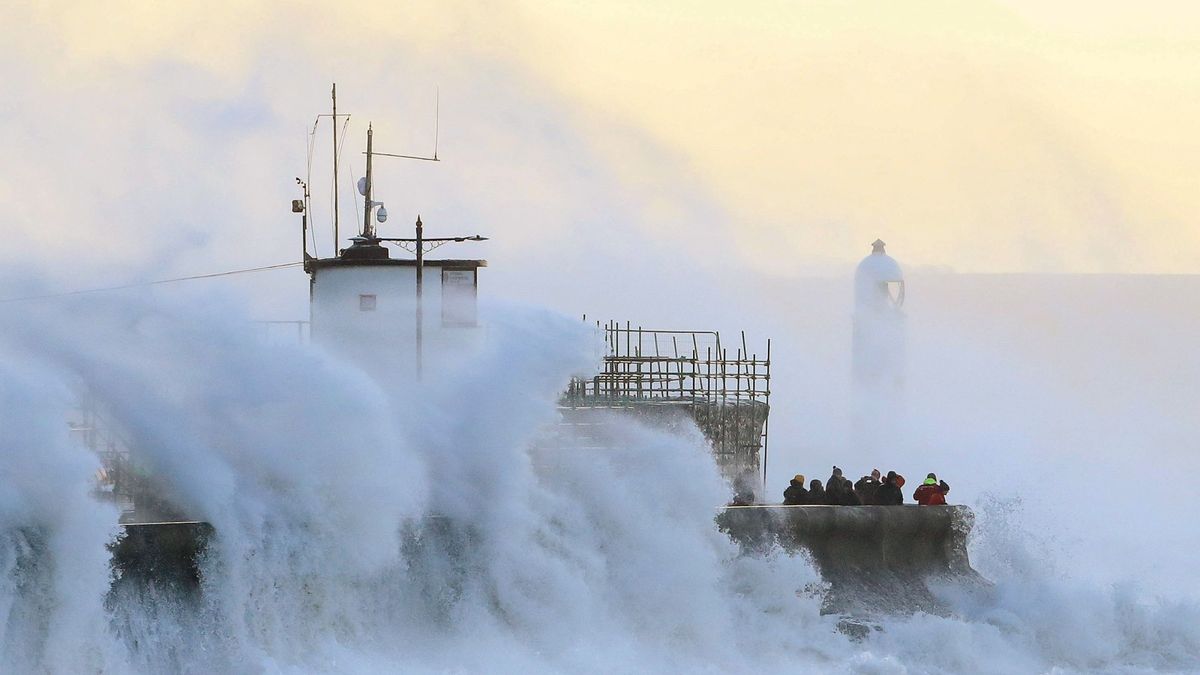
pixel 874 559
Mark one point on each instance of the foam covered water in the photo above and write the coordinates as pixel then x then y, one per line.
pixel 368 526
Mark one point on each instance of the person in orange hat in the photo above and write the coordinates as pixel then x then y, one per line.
pixel 796 494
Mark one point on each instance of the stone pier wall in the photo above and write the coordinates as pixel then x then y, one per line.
pixel 876 559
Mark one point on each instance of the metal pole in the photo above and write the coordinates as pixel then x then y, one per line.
pixel 766 436
pixel 420 284
pixel 366 231
pixel 335 172
pixel 304 224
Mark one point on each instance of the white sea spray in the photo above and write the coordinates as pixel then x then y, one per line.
pixel 367 525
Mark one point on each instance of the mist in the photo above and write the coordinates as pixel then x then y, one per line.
pixel 365 525
pixel 311 475
pixel 1059 405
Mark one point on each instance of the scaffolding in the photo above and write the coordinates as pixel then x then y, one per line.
pixel 123 477
pixel 667 372
pixel 116 481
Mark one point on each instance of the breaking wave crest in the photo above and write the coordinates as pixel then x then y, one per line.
pixel 366 526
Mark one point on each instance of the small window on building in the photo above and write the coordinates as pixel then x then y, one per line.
pixel 366 303
pixel 458 297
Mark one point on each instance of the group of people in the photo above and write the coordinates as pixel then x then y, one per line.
pixel 870 490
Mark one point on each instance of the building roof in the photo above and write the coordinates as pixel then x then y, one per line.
pixel 323 263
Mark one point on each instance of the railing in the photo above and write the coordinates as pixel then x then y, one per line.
pixel 285 332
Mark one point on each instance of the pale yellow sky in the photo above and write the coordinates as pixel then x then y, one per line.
pixel 998 136
pixel 980 136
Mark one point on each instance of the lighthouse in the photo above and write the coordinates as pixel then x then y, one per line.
pixel 878 352
pixel 879 320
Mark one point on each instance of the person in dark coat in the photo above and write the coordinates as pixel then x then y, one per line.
pixel 932 492
pixel 839 491
pixel 833 490
pixel 816 492
pixel 889 490
pixel 795 494
pixel 867 486
pixel 848 497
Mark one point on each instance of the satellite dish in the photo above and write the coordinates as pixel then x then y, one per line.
pixel 381 215
pixel 362 186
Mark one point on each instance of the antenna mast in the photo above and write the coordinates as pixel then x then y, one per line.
pixel 335 171
pixel 368 230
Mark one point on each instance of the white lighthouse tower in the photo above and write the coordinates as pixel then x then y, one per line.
pixel 879 353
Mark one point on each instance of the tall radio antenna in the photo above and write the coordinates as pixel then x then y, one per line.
pixel 335 168
pixel 336 210
pixel 335 171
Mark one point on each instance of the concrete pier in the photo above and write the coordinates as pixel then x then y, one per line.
pixel 876 559
pixel 161 552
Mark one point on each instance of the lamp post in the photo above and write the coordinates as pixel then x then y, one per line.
pixel 419 245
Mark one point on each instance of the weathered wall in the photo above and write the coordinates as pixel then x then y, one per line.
pixel 382 333
pixel 160 553
pixel 876 559
pixel 733 429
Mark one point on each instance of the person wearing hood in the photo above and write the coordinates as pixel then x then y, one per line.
pixel 847 496
pixel 889 493
pixel 932 492
pixel 816 492
pixel 795 494
pixel 867 486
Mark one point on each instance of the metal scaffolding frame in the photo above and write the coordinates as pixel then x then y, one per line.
pixel 727 396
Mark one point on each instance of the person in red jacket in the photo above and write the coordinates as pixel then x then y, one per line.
pixel 932 492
